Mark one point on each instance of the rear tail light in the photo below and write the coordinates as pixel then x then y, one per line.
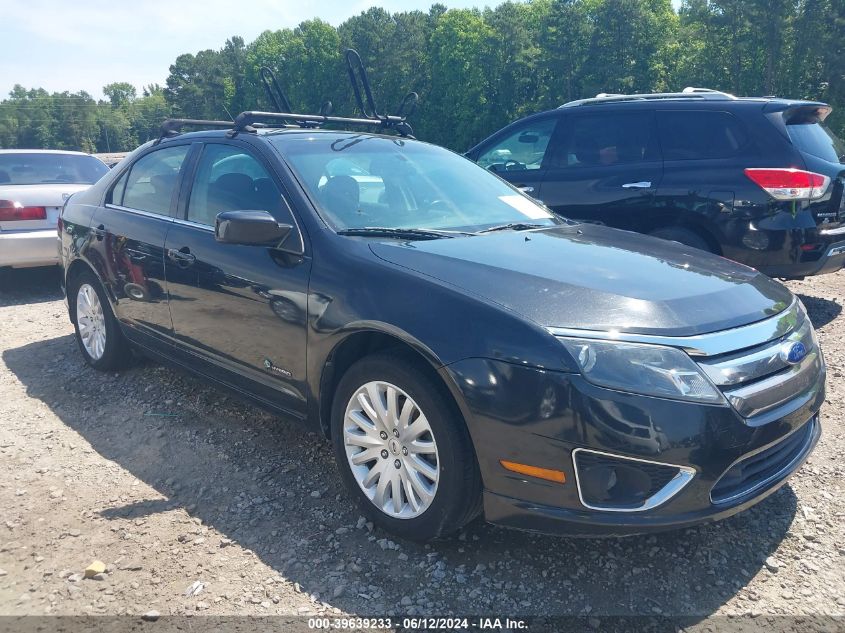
pixel 789 184
pixel 12 211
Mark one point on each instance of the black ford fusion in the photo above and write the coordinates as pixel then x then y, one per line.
pixel 464 350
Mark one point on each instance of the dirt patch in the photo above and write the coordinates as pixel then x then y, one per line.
pixel 196 502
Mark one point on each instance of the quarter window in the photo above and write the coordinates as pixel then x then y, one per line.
pixel 697 135
pixel 602 140
pixel 523 149
pixel 230 179
pixel 153 179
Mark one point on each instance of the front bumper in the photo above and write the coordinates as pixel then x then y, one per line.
pixel 540 417
pixel 27 249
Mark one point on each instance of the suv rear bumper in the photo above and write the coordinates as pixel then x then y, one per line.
pixel 831 261
pixel 27 249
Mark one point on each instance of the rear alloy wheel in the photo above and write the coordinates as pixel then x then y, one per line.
pixel 403 449
pixel 98 333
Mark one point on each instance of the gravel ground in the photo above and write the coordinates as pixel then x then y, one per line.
pixel 197 502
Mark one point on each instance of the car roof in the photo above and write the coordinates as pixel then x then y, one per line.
pixel 279 131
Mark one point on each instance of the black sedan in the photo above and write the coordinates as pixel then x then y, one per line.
pixel 465 350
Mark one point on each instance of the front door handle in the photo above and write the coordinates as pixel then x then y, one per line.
pixel 526 188
pixel 183 256
pixel 642 184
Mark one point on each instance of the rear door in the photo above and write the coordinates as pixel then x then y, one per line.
pixel 130 230
pixel 604 166
pixel 239 310
pixel 519 152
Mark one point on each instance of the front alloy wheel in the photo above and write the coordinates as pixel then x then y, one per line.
pixel 391 450
pixel 403 449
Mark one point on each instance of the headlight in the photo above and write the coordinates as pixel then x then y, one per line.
pixel 651 370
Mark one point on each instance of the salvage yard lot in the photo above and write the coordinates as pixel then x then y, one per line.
pixel 169 482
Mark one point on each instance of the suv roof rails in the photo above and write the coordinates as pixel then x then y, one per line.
pixel 689 92
pixel 249 120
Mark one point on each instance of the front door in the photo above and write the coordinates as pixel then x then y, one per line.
pixel 239 310
pixel 604 167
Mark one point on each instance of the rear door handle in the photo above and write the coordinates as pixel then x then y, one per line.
pixel 642 184
pixel 526 188
pixel 183 256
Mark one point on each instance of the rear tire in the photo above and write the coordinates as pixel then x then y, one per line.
pixel 684 236
pixel 392 422
pixel 98 333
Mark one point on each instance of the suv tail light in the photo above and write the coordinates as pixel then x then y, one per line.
pixel 789 184
pixel 11 211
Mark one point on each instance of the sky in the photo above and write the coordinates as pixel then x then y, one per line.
pixel 85 44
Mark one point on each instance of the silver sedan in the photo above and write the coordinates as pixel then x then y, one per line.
pixel 34 185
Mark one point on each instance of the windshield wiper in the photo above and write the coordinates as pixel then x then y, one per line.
pixel 410 233
pixel 515 226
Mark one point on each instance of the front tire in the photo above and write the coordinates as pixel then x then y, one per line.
pixel 403 450
pixel 98 333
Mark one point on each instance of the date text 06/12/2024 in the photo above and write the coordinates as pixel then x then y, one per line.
pixel 418 624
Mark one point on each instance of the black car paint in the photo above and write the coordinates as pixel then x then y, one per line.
pixel 480 326
pixel 713 198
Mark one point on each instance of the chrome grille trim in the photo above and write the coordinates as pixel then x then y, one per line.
pixel 757 362
pixel 711 344
pixel 762 396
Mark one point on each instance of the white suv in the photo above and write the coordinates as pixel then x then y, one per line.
pixel 34 185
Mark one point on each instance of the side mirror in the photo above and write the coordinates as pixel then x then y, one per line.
pixel 251 228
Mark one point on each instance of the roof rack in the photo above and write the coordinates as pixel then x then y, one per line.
pixel 251 119
pixel 689 92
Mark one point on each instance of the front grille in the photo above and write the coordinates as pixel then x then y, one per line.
pixel 760 381
pixel 754 472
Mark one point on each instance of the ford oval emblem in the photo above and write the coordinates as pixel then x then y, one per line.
pixel 793 353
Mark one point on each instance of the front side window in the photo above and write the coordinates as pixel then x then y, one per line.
pixel 698 135
pixel 368 181
pixel 231 179
pixel 43 168
pixel 606 139
pixel 152 180
pixel 522 149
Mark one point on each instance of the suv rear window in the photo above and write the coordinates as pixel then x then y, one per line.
pixel 818 140
pixel 47 168
pixel 697 135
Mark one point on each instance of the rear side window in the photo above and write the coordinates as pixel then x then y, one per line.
pixel 605 139
pixel 524 148
pixel 818 140
pixel 697 135
pixel 152 180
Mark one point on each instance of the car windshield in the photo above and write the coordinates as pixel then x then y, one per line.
pixel 41 169
pixel 817 139
pixel 362 181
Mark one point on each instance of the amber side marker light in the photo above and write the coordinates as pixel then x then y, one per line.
pixel 533 471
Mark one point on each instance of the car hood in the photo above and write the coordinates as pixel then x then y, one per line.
pixel 591 277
